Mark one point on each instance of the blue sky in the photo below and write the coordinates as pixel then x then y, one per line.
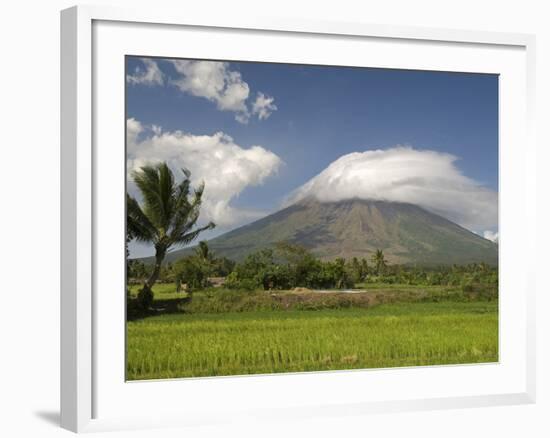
pixel 314 116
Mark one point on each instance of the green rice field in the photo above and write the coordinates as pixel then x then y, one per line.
pixel 274 341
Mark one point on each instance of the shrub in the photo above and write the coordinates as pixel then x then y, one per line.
pixel 249 284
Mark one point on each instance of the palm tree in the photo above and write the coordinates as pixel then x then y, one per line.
pixel 379 261
pixel 168 216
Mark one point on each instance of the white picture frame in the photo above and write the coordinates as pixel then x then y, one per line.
pixel 86 381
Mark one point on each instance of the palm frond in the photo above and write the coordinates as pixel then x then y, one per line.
pixel 181 195
pixel 166 192
pixel 187 238
pixel 139 225
pixel 153 183
pixel 187 215
pixel 168 215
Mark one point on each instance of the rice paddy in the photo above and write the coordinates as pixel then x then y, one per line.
pixel 259 342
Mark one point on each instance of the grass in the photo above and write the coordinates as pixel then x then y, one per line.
pixel 424 332
pixel 220 300
pixel 163 291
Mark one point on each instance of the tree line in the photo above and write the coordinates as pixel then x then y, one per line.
pixel 287 266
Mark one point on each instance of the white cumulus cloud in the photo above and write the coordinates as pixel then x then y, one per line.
pixel 212 80
pixel 263 106
pixel 150 74
pixel 225 167
pixel 427 178
pixel 216 82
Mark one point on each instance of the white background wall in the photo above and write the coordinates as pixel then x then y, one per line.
pixel 29 205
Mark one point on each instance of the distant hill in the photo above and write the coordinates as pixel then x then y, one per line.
pixel 406 233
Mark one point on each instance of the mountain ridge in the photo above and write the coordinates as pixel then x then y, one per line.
pixel 407 233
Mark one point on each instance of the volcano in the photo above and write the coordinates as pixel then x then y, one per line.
pixel 407 233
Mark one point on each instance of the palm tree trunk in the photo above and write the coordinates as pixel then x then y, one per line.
pixel 159 257
pixel 145 296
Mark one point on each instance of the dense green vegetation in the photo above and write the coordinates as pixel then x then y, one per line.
pixel 403 334
pixel 290 266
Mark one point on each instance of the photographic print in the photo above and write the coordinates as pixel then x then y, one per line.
pixel 292 218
